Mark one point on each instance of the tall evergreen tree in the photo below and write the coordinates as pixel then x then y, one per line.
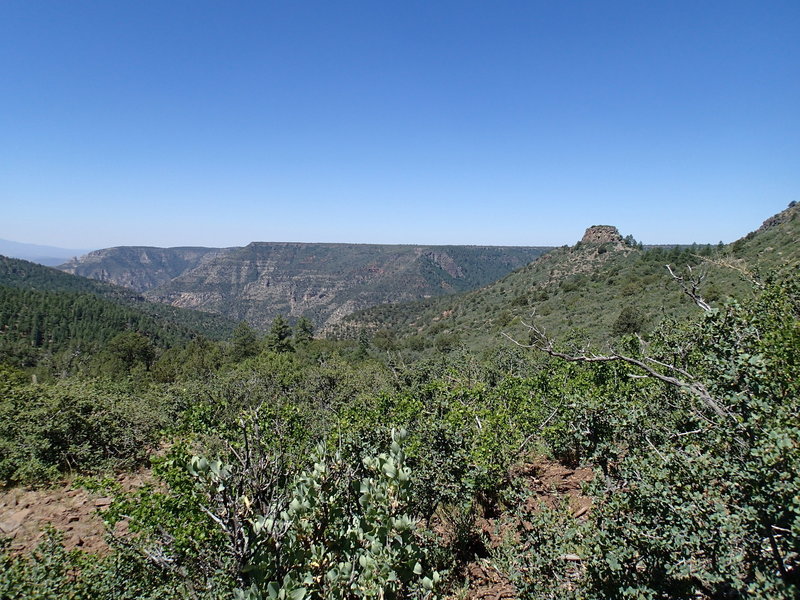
pixel 303 331
pixel 279 337
pixel 244 343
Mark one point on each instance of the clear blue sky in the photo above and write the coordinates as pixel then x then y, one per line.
pixel 219 123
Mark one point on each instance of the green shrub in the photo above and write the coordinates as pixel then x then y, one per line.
pixel 699 494
pixel 326 538
pixel 76 426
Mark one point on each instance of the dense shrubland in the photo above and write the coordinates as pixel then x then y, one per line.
pixel 697 488
pixel 291 467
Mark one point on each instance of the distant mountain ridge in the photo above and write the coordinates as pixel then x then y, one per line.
pixel 324 282
pixel 43 255
pixel 139 268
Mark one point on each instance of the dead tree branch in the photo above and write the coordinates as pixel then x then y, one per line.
pixel 738 266
pixel 691 287
pixel 546 345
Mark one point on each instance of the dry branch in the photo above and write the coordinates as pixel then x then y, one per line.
pixel 691 287
pixel 546 345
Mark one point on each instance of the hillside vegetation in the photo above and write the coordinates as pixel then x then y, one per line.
pixel 47 315
pixel 286 466
pixel 593 291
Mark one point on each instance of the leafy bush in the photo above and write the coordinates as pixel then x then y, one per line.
pixel 50 572
pixel 699 495
pixel 75 426
pixel 325 538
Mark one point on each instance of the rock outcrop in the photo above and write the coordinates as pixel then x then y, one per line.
pixel 140 268
pixel 601 234
pixel 782 217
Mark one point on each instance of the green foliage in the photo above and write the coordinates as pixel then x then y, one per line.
pixel 697 493
pixel 244 343
pixel 126 352
pixel 333 530
pixel 630 321
pixel 333 540
pixel 198 360
pixel 446 342
pixel 303 331
pixel 692 429
pixel 384 340
pixel 168 526
pixel 50 311
pixel 538 550
pixel 50 572
pixel 75 426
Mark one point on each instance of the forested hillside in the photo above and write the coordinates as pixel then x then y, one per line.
pixel 643 459
pixel 47 314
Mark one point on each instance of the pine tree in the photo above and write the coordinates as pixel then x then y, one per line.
pixel 303 331
pixel 244 343
pixel 279 337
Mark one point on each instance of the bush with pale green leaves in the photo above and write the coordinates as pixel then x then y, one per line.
pixel 330 536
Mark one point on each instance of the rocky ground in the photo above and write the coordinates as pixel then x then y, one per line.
pixel 25 513
pixel 547 481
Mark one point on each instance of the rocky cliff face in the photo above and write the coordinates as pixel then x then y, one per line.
pixel 139 268
pixel 324 282
pixel 782 217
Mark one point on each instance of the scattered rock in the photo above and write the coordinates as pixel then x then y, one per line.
pixel 19 516
pixel 24 513
pixel 8 527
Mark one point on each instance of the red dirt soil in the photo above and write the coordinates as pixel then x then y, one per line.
pixel 26 512
pixel 548 482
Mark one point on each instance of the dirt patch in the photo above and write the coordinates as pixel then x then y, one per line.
pixel 549 483
pixel 487 583
pixel 25 513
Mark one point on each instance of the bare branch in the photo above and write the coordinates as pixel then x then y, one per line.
pixel 737 265
pixel 668 366
pixel 691 287
pixel 546 345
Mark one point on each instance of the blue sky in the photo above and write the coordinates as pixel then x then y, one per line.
pixel 219 123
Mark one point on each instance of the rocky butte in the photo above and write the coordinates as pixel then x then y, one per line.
pixel 601 234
